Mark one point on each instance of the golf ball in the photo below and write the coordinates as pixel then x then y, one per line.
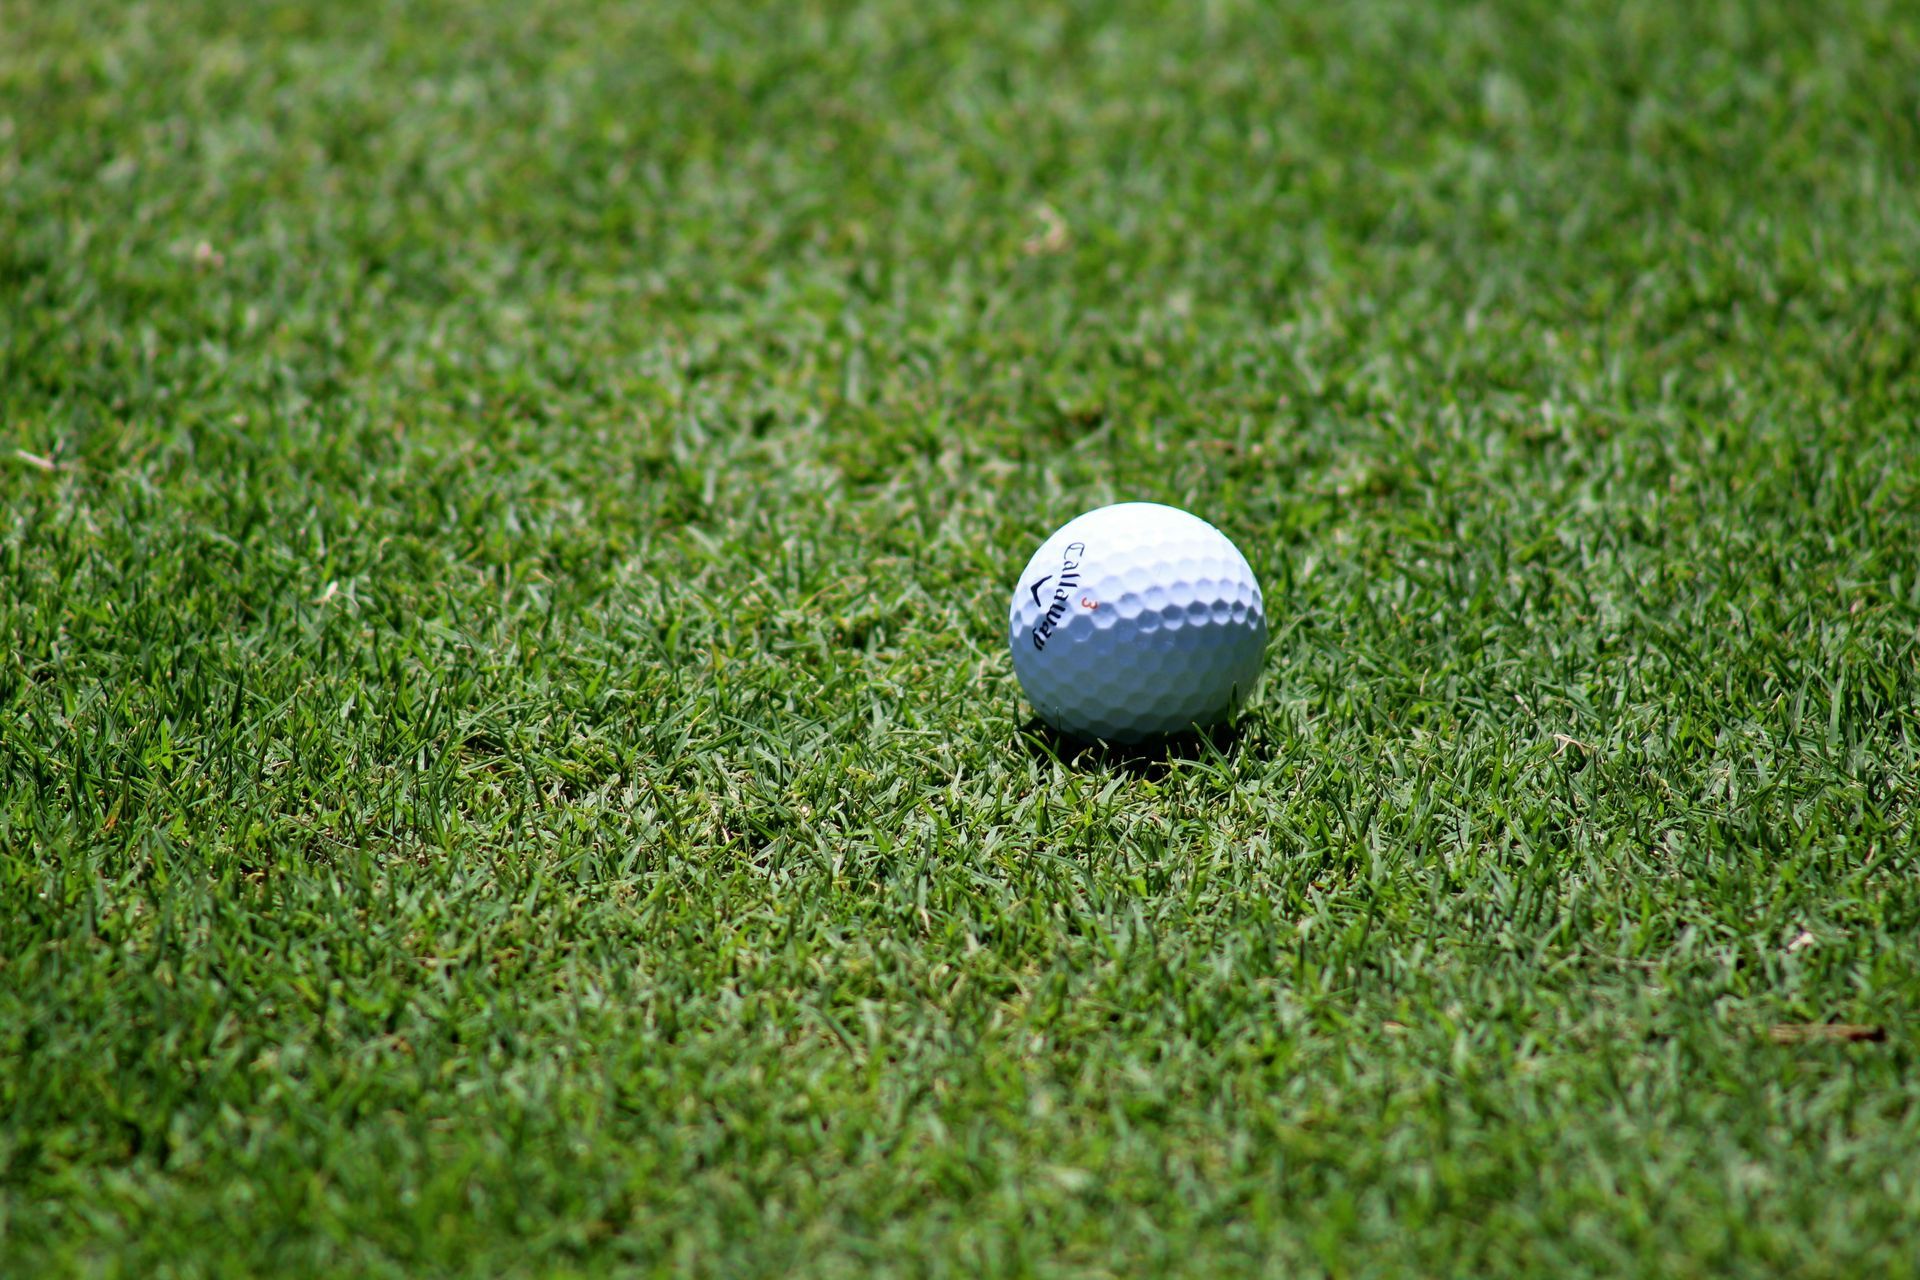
pixel 1136 620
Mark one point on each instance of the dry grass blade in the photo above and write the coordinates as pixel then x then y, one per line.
pixel 37 462
pixel 1844 1032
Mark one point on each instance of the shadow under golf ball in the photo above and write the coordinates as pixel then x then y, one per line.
pixel 1147 757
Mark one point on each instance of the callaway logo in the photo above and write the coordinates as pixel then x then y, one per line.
pixel 1064 582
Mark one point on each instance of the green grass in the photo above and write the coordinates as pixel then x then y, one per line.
pixel 508 762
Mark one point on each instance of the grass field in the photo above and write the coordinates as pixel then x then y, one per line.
pixel 508 759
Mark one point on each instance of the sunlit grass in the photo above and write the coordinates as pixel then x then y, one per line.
pixel 508 763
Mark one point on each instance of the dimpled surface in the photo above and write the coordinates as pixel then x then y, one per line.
pixel 1136 620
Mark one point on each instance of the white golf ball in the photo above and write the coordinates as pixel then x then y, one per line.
pixel 1136 620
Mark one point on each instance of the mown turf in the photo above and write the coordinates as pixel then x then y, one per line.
pixel 508 764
